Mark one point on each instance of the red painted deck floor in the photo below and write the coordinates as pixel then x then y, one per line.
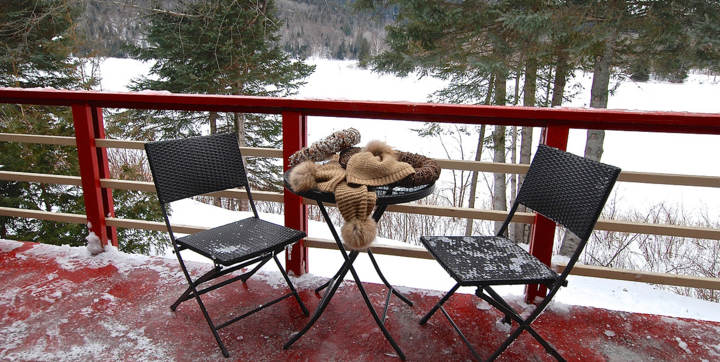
pixel 57 303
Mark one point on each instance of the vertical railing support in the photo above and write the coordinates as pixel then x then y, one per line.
pixel 543 230
pixel 93 163
pixel 294 138
pixel 104 169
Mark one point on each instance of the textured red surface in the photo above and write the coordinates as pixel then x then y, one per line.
pixel 58 305
pixel 676 122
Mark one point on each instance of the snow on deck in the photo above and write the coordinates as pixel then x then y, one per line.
pixel 61 303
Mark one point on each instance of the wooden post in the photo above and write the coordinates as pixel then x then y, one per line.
pixel 543 230
pixel 104 170
pixel 93 164
pixel 294 138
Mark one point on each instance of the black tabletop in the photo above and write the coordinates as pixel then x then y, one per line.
pixel 386 195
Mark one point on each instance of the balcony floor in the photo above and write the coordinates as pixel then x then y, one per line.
pixel 57 303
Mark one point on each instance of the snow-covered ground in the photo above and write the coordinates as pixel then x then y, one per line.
pixel 632 151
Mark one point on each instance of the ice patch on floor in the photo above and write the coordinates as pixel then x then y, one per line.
pixel 9 245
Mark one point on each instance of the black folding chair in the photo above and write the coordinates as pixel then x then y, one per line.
pixel 568 189
pixel 199 165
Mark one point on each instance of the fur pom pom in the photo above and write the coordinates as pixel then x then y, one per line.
pixel 302 177
pixel 379 147
pixel 359 234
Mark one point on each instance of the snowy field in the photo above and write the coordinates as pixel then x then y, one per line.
pixel 632 151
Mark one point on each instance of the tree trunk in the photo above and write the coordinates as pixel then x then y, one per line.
pixel 522 231
pixel 243 205
pixel 595 138
pixel 513 178
pixel 212 117
pixel 561 74
pixel 499 186
pixel 474 179
pixel 478 154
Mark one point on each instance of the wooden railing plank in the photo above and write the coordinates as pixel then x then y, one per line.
pixel 467 165
pixel 432 210
pixel 405 251
pixel 40 139
pixel 640 276
pixel 40 178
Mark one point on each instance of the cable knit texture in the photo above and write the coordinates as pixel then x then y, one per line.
pixel 326 147
pixel 374 165
pixel 365 168
pixel 427 170
pixel 329 175
pixel 355 205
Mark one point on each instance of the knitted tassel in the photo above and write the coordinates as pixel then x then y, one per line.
pixel 359 234
pixel 302 177
pixel 378 148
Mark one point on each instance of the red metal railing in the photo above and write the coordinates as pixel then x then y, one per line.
pixel 87 115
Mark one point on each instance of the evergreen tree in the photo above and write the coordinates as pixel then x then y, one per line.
pixel 36 38
pixel 216 47
pixel 475 45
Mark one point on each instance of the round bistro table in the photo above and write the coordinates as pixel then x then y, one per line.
pixel 386 195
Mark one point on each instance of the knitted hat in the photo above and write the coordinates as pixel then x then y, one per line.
pixel 376 165
pixel 355 205
pixel 328 176
pixel 308 175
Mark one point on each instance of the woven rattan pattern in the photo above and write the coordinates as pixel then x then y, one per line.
pixel 486 260
pixel 241 240
pixel 568 189
pixel 194 166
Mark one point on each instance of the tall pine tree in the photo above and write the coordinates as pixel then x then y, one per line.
pixel 36 40
pixel 217 47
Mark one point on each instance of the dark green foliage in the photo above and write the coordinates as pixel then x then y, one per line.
pixel 215 47
pixel 35 43
pixel 36 38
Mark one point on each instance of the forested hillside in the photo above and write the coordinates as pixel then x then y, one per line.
pixel 329 28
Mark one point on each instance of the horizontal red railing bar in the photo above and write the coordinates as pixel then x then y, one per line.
pixel 675 122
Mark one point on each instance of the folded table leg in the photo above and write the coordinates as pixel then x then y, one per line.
pixel 337 280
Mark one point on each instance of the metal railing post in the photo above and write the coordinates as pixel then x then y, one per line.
pixel 294 128
pixel 543 229
pixel 93 166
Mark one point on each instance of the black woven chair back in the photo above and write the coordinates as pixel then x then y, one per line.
pixel 194 166
pixel 567 189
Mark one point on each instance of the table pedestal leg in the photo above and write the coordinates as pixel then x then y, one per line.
pixel 335 282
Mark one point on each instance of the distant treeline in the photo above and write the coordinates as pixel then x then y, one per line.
pixel 329 28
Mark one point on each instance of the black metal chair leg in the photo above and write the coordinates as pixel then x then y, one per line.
pixel 318 312
pixel 523 324
pixel 290 284
pixel 205 277
pixel 202 306
pixel 245 276
pixel 548 347
pixel 439 304
pixel 462 336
